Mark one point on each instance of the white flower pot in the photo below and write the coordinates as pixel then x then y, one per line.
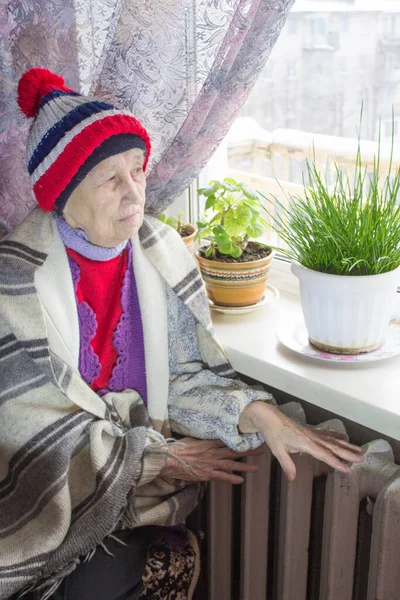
pixel 347 314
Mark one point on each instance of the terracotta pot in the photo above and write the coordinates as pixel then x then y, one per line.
pixel 189 239
pixel 235 284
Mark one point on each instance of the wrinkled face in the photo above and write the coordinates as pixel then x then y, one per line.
pixel 108 204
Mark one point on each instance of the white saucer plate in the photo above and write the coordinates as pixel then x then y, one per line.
pixel 271 295
pixel 293 335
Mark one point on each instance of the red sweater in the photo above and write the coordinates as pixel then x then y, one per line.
pixel 100 287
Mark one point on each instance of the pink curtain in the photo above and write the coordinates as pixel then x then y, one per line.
pixel 184 67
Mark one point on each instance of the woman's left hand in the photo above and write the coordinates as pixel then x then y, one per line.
pixel 284 437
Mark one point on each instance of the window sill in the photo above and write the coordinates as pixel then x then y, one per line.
pixel 281 277
pixel 367 393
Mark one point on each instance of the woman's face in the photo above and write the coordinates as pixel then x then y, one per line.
pixel 108 205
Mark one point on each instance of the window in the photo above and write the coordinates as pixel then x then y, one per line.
pixel 292 25
pixel 388 25
pixel 388 129
pixel 392 61
pixel 318 89
pixel 318 26
pixel 344 23
pixel 363 62
pixel 292 69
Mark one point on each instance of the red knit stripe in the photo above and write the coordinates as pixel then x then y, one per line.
pixel 59 174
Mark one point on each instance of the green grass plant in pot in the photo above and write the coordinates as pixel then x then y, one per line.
pixel 234 266
pixel 344 241
pixel 187 231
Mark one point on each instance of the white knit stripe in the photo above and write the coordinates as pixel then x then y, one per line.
pixel 50 114
pixel 167 254
pixel 190 283
pixel 9 343
pixel 23 384
pixel 192 297
pixel 32 457
pixel 155 227
pixel 12 568
pixel 16 289
pixel 153 308
pixel 12 352
pixel 59 149
pixel 45 491
pixel 57 297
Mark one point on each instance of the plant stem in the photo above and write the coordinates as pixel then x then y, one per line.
pixel 245 243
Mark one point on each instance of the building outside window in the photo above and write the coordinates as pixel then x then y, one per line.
pixel 388 127
pixel 318 26
pixel 344 23
pixel 292 69
pixel 292 26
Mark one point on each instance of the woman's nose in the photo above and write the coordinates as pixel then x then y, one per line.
pixel 132 192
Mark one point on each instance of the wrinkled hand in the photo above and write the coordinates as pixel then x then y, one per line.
pixel 206 460
pixel 284 437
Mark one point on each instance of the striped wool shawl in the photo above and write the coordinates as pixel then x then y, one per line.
pixel 74 467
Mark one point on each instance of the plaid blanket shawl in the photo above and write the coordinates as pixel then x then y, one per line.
pixel 74 467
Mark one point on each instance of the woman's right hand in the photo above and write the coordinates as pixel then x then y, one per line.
pixel 206 460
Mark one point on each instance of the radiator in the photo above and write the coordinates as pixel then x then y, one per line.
pixel 326 536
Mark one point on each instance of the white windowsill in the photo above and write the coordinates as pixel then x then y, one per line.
pixel 282 277
pixel 368 394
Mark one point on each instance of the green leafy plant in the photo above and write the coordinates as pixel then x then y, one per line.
pixel 232 216
pixel 176 223
pixel 349 228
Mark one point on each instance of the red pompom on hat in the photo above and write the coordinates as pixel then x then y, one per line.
pixel 70 134
pixel 34 85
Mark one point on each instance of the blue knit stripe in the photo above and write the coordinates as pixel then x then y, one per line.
pixel 56 94
pixel 57 132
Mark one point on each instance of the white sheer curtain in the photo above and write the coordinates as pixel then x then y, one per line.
pixel 184 68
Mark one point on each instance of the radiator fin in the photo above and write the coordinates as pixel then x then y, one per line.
pixel 326 546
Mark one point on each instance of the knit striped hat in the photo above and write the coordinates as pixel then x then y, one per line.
pixel 70 134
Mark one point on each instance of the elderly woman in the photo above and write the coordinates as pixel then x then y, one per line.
pixel 106 352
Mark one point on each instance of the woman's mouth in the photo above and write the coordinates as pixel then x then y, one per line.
pixel 130 218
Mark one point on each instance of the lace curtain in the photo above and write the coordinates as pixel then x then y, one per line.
pixel 183 67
